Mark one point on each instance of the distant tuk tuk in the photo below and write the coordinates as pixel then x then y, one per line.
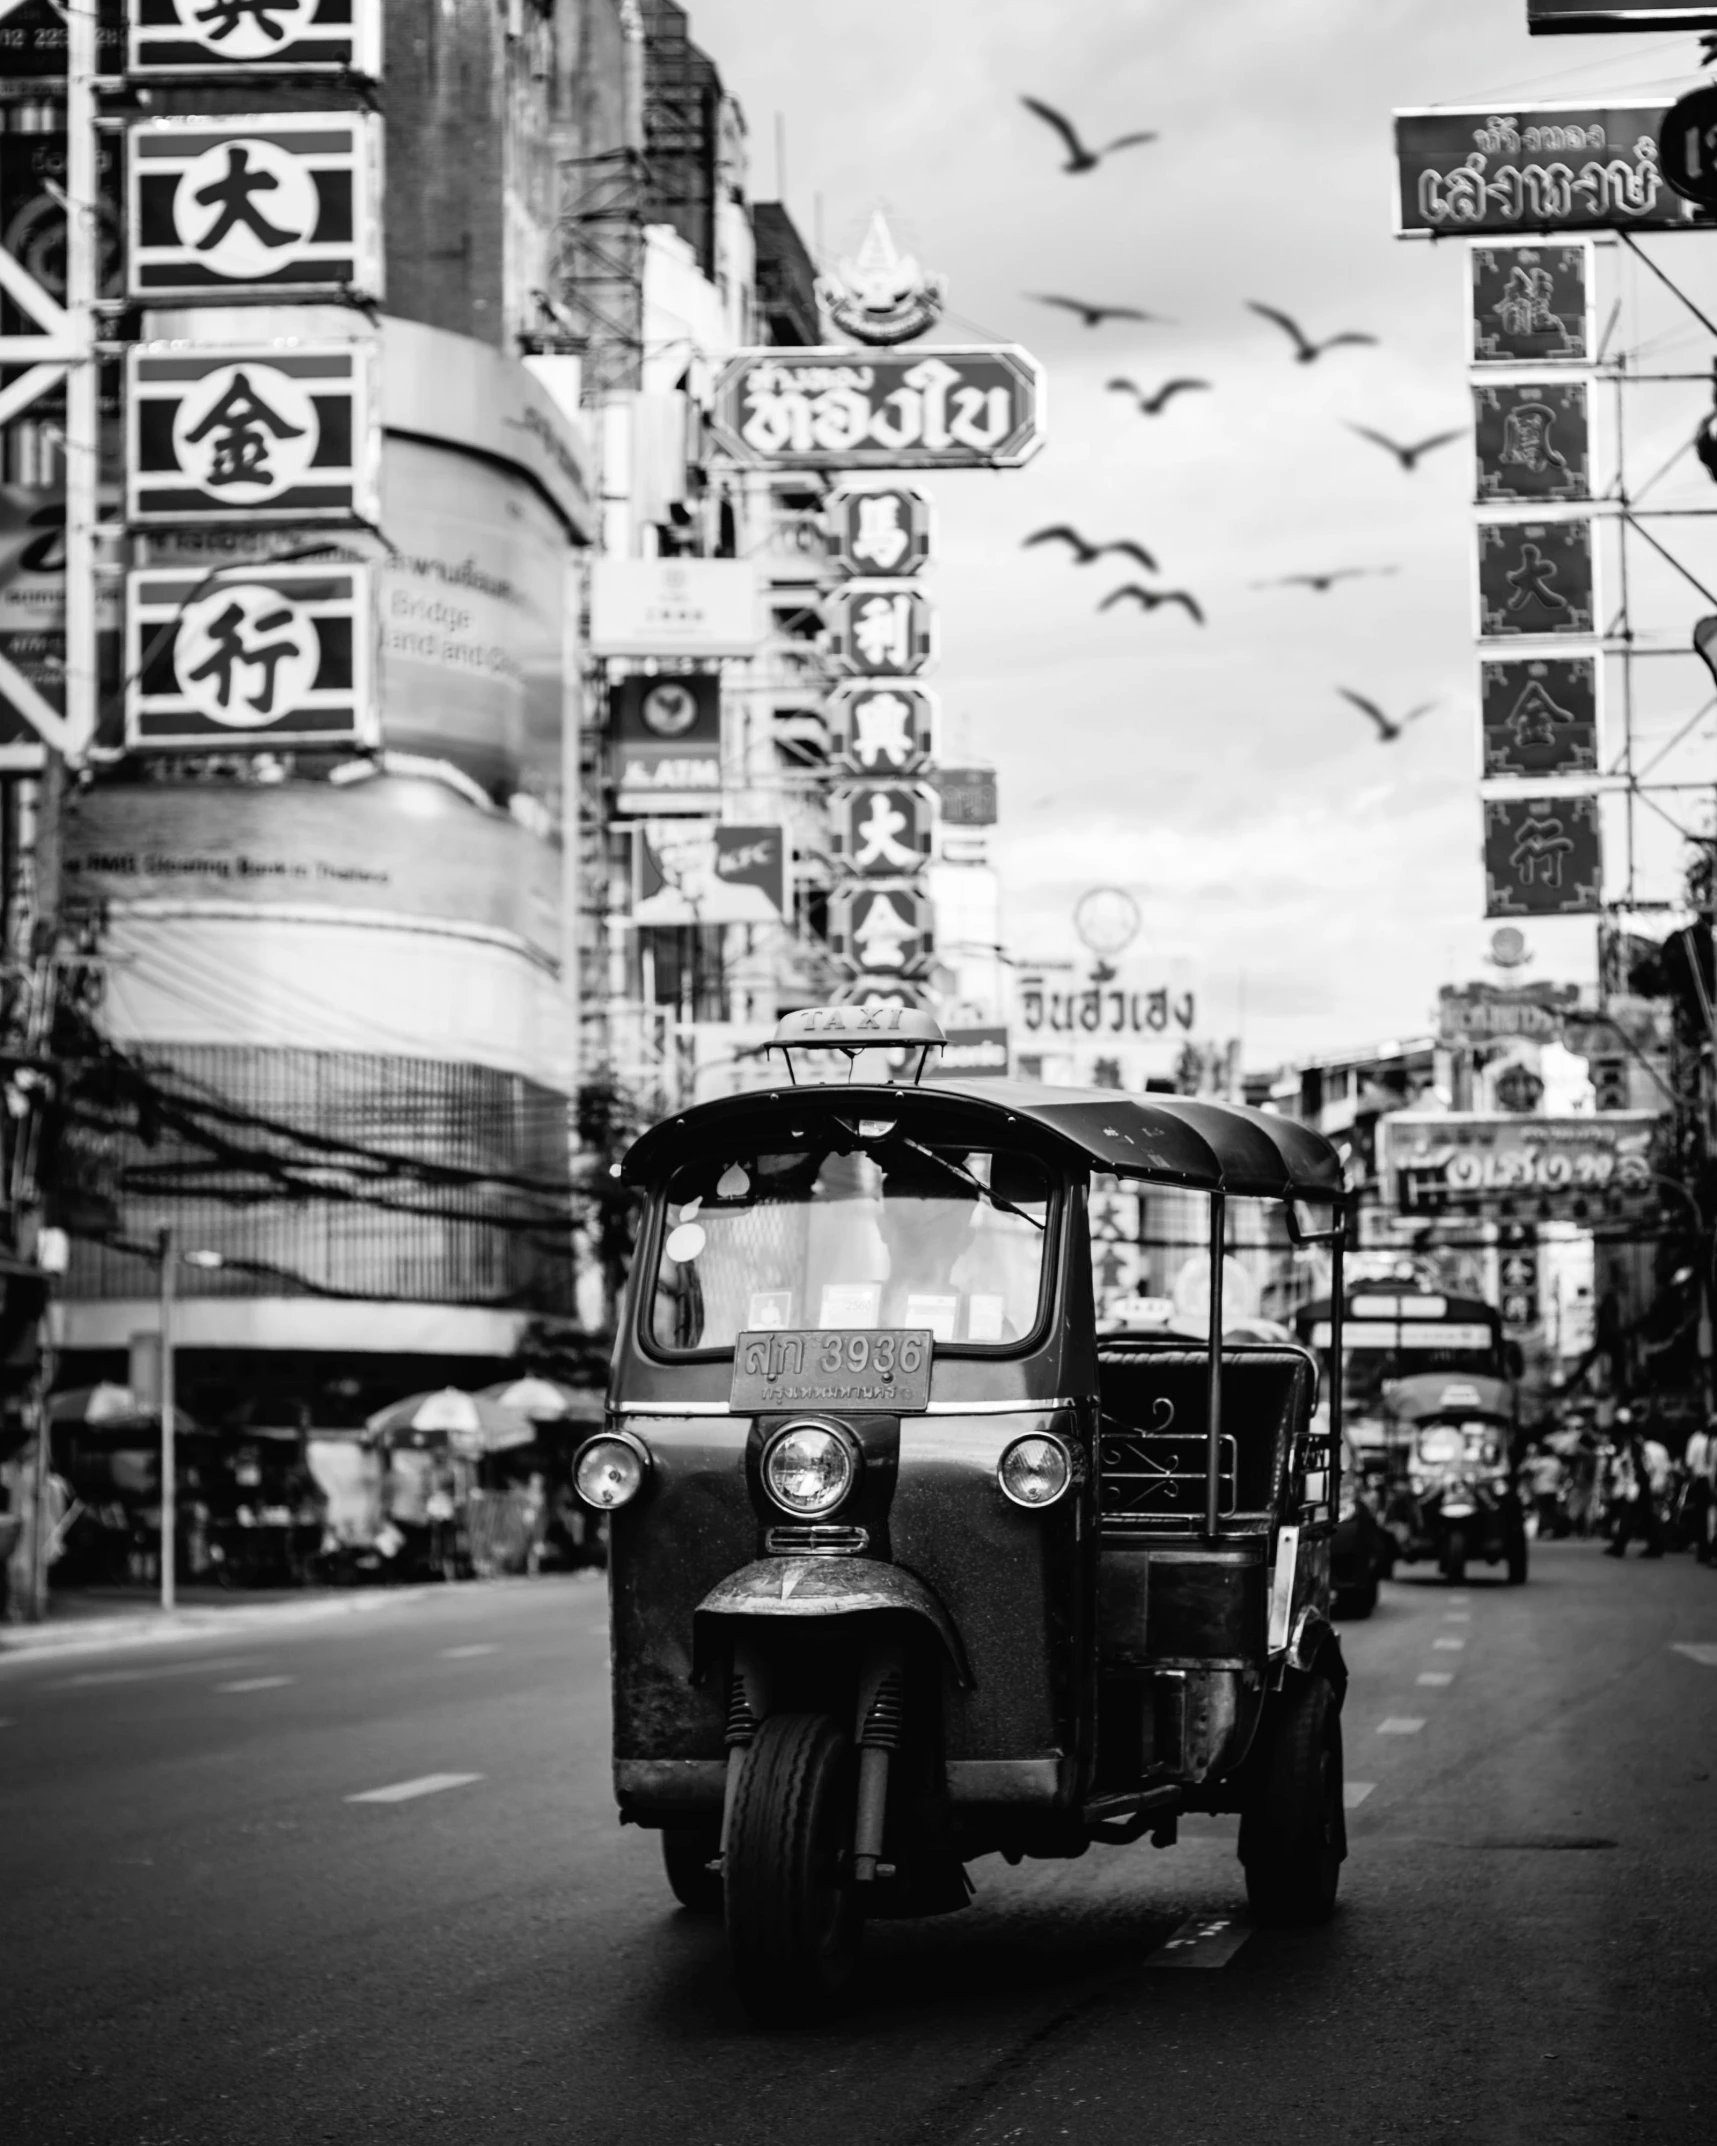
pixel 1454 1498
pixel 908 1565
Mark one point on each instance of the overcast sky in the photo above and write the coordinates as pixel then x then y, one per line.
pixel 1266 832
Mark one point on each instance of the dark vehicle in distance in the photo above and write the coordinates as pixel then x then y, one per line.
pixel 908 1566
pixel 1456 1499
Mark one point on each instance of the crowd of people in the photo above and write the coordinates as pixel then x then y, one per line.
pixel 1625 1483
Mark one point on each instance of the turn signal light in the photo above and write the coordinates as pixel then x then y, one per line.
pixel 1035 1470
pixel 610 1471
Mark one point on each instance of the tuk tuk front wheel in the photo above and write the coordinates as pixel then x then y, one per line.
pixel 793 1920
pixel 1453 1562
pixel 687 1856
pixel 1294 1833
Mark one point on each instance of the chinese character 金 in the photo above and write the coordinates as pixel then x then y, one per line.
pixel 229 652
pixel 239 425
pixel 232 196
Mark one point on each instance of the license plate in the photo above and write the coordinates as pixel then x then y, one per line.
pixel 833 1367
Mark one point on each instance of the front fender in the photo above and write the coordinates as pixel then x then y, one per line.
pixel 1315 1649
pixel 823 1587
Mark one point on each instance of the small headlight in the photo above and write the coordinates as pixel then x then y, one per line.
pixel 610 1472
pixel 808 1469
pixel 1034 1471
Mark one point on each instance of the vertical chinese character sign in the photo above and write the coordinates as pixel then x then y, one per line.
pixel 1543 857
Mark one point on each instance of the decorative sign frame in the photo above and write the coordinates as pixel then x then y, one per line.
pixel 882 927
pixel 1539 716
pixel 882 529
pixel 1536 580
pixel 1551 167
pixel 1538 302
pixel 1543 857
pixel 188 39
pixel 1532 442
pixel 880 629
pixel 937 408
pixel 883 830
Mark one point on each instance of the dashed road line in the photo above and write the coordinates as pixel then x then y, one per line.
pixel 1202 1941
pixel 1458 1600
pixel 1450 1644
pixel 91 1677
pixel 465 1654
pixel 1400 1725
pixel 1354 1793
pixel 1702 1651
pixel 256 1684
pixel 1435 1676
pixel 427 1784
pixel 1457 1616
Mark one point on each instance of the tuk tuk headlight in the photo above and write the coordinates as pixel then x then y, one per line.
pixel 808 1469
pixel 1034 1470
pixel 610 1471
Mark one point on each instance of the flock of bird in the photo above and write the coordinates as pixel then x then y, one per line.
pixel 1093 314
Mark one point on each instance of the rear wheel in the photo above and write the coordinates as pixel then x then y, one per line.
pixel 793 1923
pixel 688 1854
pixel 1294 1834
pixel 1453 1562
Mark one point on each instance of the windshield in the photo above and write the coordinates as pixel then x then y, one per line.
pixel 900 1234
pixel 1369 1365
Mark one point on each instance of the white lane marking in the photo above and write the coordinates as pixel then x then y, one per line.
pixel 1457 1616
pixel 1452 1645
pixel 427 1784
pixel 1400 1725
pixel 465 1654
pixel 1354 1793
pixel 256 1684
pixel 149 1676
pixel 1202 1941
pixel 1703 1651
pixel 1460 1598
pixel 1435 1676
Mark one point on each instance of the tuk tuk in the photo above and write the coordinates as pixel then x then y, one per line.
pixel 908 1566
pixel 1454 1497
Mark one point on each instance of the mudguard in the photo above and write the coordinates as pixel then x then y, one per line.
pixel 824 1587
pixel 1315 1648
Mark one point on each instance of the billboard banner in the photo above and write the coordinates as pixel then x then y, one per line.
pixel 1553 167
pixel 188 38
pixel 883 830
pixel 674 607
pixel 1482 1013
pixel 1532 305
pixel 882 726
pixel 1543 857
pixel 1473 1163
pixel 253 433
pixel 971 1054
pixel 1549 18
pixel 666 734
pixel 255 205
pixel 1538 716
pixel 962 408
pixel 1536 579
pixel 264 658
pixel 698 872
pixel 1532 442
pixel 885 531
pixel 881 628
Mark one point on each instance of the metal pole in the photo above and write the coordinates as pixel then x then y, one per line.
pixel 1213 1420
pixel 83 416
pixel 169 1459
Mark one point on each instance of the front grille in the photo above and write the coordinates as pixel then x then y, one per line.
pixel 812 1540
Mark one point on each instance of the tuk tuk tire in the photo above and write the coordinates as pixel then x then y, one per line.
pixel 1517 1559
pixel 1293 1837
pixel 687 1853
pixel 1453 1562
pixel 793 1919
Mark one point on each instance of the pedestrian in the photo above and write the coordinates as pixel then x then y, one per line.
pixel 1543 1480
pixel 438 1511
pixel 1634 1497
pixel 1698 1507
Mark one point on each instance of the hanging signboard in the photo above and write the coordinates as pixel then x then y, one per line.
pixel 1687 144
pixel 1543 857
pixel 272 657
pixel 1474 1163
pixel 883 930
pixel 1483 1013
pixel 674 607
pixel 1532 305
pixel 1535 579
pixel 1070 1009
pixel 908 409
pixel 1549 18
pixel 1538 716
pixel 698 872
pixel 254 37
pixel 886 531
pixel 1532 441
pixel 885 726
pixel 33 221
pixel 33 38
pixel 971 1054
pixel 667 743
pixel 255 204
pixel 883 830
pixel 967 795
pixel 1553 167
pixel 880 628
pixel 260 433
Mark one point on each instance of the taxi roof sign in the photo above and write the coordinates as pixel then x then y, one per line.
pixel 854 1030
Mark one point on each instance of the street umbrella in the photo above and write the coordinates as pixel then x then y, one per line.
pixel 546 1400
pixel 468 1422
pixel 109 1407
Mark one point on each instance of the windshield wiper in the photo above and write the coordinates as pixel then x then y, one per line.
pixel 959 1170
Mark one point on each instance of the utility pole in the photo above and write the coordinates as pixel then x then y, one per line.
pixel 168 1253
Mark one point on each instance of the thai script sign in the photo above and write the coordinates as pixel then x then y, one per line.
pixel 1548 18
pixel 1552 168
pixel 922 409
pixel 667 743
pixel 1480 1013
pixel 881 628
pixel 883 830
pixel 885 726
pixel 255 37
pixel 1539 716
pixel 1532 441
pixel 883 1367
pixel 1535 578
pixel 275 655
pixel 258 433
pixel 257 204
pixel 1478 1163
pixel 1543 857
pixel 1098 1010
pixel 885 531
pixel 1532 305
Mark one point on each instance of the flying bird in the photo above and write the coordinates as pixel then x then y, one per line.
pixel 1387 730
pixel 1152 405
pixel 1079 158
pixel 1154 599
pixel 1306 352
pixel 1408 457
pixel 1084 551
pixel 1093 315
pixel 1323 583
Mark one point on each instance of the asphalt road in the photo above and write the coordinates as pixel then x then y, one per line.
pixel 207 1939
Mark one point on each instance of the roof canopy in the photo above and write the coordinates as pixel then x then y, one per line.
pixel 1163 1139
